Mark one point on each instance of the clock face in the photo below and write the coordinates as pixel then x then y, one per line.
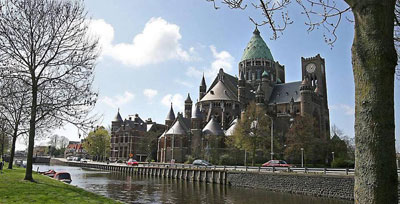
pixel 311 67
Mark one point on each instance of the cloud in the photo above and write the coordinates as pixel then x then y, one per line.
pixel 150 93
pixel 184 83
pixel 118 100
pixel 176 99
pixel 222 59
pixel 346 109
pixel 158 42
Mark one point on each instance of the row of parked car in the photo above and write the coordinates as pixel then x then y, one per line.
pixel 200 162
pixel 71 158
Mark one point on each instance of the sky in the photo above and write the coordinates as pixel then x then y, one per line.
pixel 155 52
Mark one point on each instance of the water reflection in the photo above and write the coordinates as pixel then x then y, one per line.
pixel 147 189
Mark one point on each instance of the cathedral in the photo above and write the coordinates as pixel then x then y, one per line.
pixel 261 80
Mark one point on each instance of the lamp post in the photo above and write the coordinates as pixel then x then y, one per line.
pixel 302 157
pixel 333 156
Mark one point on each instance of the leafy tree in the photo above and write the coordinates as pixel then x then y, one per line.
pixel 253 131
pixel 45 44
pixel 97 143
pixel 341 144
pixel 302 135
pixel 374 60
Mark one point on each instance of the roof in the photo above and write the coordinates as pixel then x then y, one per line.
pixel 257 48
pixel 171 114
pixel 188 99
pixel 283 93
pixel 196 113
pixel 203 81
pixel 219 92
pixel 118 117
pixel 231 129
pixel 178 128
pixel 213 128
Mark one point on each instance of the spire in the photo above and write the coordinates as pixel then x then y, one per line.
pixel 188 99
pixel 171 114
pixel 118 117
pixel 265 74
pixel 196 113
pixel 203 81
pixel 256 31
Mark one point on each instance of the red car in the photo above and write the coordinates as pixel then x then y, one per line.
pixel 132 162
pixel 276 163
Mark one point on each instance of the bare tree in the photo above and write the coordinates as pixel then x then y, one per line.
pixel 47 46
pixel 14 106
pixel 374 60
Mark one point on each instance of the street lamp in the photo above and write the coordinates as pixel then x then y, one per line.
pixel 302 157
pixel 333 156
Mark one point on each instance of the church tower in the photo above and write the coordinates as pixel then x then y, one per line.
pixel 170 118
pixel 203 88
pixel 306 97
pixel 188 106
pixel 314 69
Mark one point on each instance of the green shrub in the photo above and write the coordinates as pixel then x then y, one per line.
pixel 189 159
pixel 342 163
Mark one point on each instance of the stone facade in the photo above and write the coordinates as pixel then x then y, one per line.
pixel 314 185
pixel 127 136
pixel 261 80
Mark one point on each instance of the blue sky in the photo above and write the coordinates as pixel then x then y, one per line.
pixel 155 52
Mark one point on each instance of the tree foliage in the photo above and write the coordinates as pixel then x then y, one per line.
pixel 302 135
pixel 253 131
pixel 97 143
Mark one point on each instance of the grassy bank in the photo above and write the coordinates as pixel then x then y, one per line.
pixel 13 189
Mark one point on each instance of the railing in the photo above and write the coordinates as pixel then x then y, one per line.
pixel 326 171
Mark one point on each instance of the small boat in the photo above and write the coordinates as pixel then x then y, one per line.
pixel 63 176
pixel 49 173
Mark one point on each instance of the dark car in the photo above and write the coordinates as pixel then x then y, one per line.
pixel 199 162
pixel 276 163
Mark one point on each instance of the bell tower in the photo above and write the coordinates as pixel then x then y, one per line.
pixel 314 69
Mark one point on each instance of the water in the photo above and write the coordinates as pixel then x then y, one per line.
pixel 145 189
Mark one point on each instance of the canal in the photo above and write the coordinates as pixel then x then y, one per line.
pixel 145 189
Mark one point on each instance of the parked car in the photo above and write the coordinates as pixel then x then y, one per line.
pixel 132 162
pixel 76 159
pixel 84 160
pixel 63 176
pixel 200 162
pixel 276 163
pixel 70 158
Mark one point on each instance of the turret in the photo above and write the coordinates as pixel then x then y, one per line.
pixel 188 106
pixel 116 122
pixel 170 117
pixel 259 96
pixel 242 88
pixel 305 97
pixel 203 88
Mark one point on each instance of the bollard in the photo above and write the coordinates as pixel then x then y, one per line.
pixel 324 170
pixel 273 169
pixel 347 171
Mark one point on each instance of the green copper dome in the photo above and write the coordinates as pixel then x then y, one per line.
pixel 257 48
pixel 265 74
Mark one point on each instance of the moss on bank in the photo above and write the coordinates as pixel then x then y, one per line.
pixel 13 189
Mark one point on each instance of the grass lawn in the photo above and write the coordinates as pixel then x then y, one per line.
pixel 13 189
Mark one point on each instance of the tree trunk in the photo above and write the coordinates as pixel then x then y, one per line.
pixel 14 141
pixel 374 60
pixel 32 128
